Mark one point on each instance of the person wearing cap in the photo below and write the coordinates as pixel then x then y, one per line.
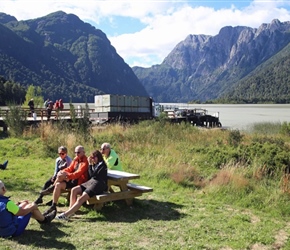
pixel 61 162
pixel 15 217
pixel 111 158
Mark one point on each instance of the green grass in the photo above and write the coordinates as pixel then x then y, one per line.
pixel 209 193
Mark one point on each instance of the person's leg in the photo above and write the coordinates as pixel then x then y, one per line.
pixel 57 191
pixel 74 194
pixel 55 196
pixel 22 224
pixel 47 184
pixel 80 200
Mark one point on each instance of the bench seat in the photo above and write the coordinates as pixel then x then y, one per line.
pixel 133 191
pixel 137 187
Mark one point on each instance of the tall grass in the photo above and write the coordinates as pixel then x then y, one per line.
pixel 213 189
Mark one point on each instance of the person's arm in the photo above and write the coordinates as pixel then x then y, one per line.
pixel 83 167
pixel 20 210
pixel 56 167
pixel 111 160
pixel 68 160
pixel 27 209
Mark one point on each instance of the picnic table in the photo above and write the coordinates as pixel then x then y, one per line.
pixel 119 188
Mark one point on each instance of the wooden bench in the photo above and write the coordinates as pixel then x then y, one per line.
pixel 127 191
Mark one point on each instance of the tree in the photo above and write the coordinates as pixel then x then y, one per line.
pixel 34 93
pixel 11 92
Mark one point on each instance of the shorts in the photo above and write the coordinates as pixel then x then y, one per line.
pixel 71 183
pixel 22 222
pixel 93 187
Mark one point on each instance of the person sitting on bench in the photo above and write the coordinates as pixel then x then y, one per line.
pixel 61 162
pixel 96 184
pixel 111 158
pixel 75 174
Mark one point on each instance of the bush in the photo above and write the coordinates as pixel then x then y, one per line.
pixel 16 120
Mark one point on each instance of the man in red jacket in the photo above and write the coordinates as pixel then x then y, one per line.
pixel 75 174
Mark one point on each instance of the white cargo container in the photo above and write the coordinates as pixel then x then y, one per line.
pixel 122 103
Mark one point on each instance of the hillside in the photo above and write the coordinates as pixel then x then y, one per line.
pixel 68 58
pixel 269 82
pixel 207 67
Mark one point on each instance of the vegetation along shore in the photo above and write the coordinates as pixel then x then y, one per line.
pixel 213 188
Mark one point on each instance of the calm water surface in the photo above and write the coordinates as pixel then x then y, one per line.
pixel 240 116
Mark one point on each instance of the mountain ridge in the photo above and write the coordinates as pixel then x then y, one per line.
pixel 203 67
pixel 68 58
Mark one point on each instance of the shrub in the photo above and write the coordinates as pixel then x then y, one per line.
pixel 235 138
pixel 15 120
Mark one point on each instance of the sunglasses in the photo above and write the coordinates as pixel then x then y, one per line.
pixel 77 152
pixel 103 149
pixel 61 153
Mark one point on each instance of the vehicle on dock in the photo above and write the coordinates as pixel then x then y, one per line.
pixel 196 117
pixel 132 109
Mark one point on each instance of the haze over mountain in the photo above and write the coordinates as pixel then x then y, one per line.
pixel 68 58
pixel 208 67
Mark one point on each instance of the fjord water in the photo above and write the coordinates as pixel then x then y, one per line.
pixel 238 116
pixel 242 116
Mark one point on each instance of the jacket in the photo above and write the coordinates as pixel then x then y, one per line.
pixel 8 221
pixel 78 169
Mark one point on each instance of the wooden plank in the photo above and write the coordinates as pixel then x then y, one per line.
pixel 140 188
pixel 129 194
pixel 121 175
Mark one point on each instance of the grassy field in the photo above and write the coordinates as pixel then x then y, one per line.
pixel 213 189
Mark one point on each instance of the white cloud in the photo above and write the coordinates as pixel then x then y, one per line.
pixel 166 22
pixel 165 31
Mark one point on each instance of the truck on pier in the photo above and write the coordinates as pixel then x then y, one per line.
pixel 120 108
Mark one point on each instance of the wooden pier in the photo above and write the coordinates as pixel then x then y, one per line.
pixel 40 115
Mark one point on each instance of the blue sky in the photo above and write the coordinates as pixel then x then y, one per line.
pixel 144 32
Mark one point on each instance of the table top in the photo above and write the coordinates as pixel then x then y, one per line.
pixel 121 175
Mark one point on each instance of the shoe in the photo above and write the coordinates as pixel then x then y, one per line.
pixel 62 216
pixel 48 203
pixel 4 165
pixel 39 200
pixel 49 217
pixel 47 191
pixel 51 209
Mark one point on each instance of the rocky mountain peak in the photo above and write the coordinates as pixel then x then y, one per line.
pixel 202 67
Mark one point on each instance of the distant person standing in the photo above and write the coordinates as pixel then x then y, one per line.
pixel 49 109
pixel 45 104
pixel 31 106
pixel 56 107
pixel 60 104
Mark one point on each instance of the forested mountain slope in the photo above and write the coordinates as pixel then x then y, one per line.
pixel 68 58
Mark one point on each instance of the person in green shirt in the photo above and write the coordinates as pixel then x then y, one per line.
pixel 111 158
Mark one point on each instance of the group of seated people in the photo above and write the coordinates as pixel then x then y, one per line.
pixel 84 176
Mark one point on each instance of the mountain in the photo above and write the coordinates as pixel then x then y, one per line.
pixel 66 57
pixel 206 67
